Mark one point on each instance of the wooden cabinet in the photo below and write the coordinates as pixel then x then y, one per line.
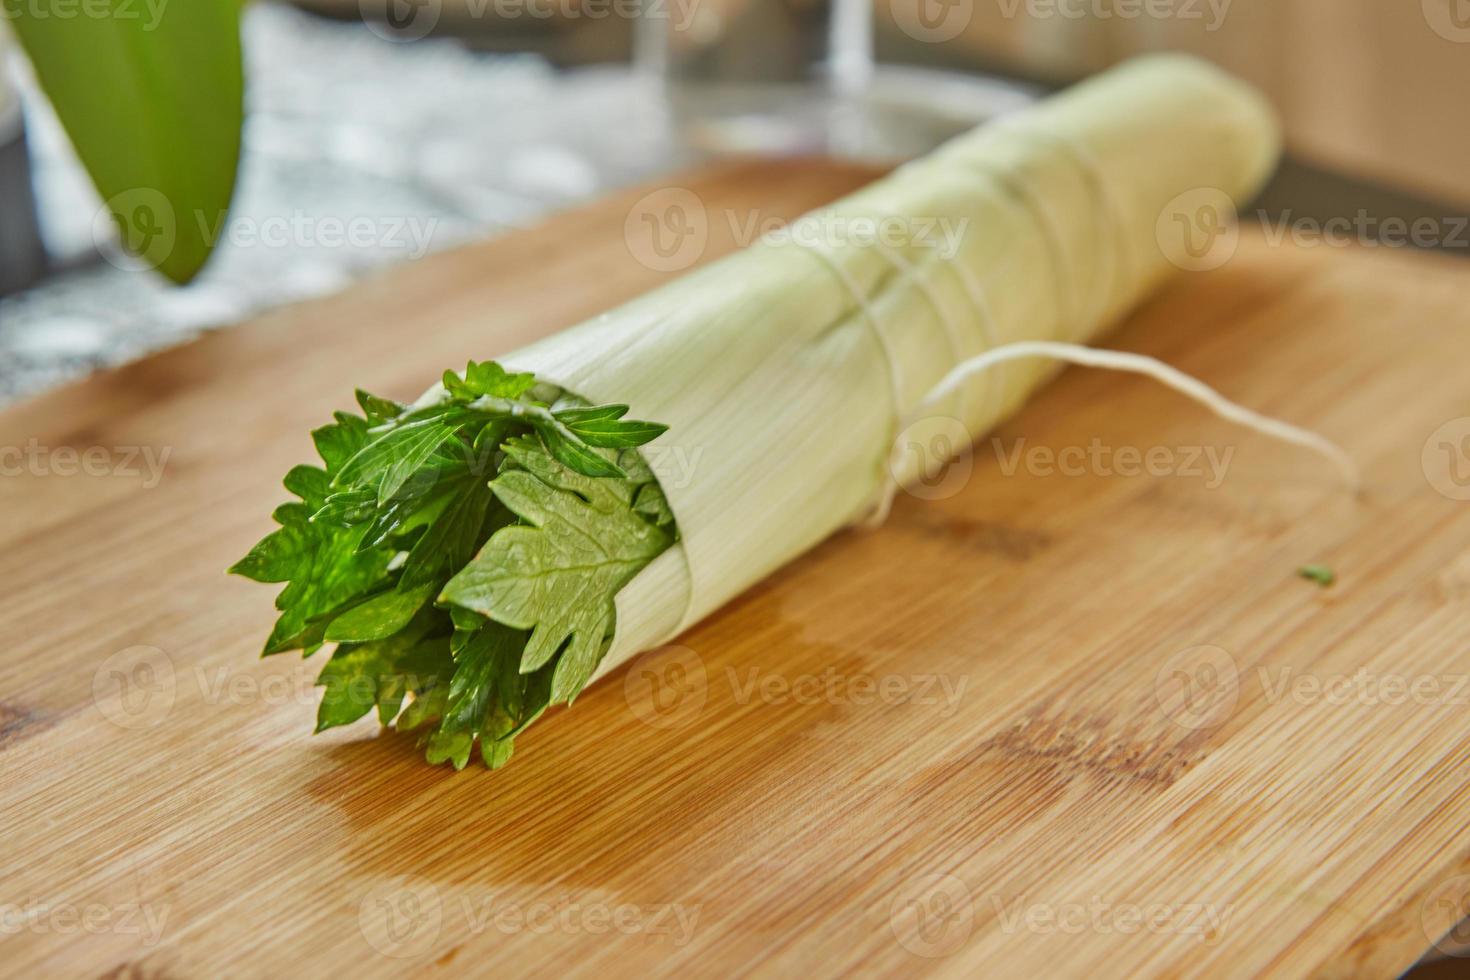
pixel 1375 88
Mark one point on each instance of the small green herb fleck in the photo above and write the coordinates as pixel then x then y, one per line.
pixel 1320 574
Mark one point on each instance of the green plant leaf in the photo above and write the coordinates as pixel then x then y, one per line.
pixel 379 617
pixel 615 433
pixel 151 96
pixel 557 574
pixel 489 379
pixel 361 677
pixel 405 502
pixel 489 698
pixel 387 462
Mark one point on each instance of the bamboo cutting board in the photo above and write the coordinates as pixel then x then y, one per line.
pixel 1066 714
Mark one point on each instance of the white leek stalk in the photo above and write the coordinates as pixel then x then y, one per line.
pixel 786 370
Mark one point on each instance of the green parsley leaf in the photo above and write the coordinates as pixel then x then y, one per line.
pixel 487 378
pixel 557 574
pixel 386 463
pixel 360 677
pixel 378 410
pixel 540 513
pixel 616 433
pixel 321 563
pixel 579 413
pixel 489 698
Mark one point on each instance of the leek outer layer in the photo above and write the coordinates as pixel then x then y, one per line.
pixel 786 371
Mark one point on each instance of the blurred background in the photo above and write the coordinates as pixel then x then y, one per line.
pixel 377 131
pixel 381 131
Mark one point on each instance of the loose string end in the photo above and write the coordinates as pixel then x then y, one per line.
pixel 1111 360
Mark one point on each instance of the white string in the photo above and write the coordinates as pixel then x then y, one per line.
pixel 1069 319
pixel 907 270
pixel 1113 360
pixel 946 322
pixel 976 295
pixel 1067 314
pixel 1121 256
pixel 895 382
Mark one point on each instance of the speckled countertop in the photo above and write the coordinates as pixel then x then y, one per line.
pixel 357 153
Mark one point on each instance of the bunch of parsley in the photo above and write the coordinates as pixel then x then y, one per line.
pixel 463 556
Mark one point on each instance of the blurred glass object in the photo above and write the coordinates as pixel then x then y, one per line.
pixel 22 258
pixel 798 76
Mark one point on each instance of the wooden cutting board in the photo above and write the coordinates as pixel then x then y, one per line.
pixel 1066 716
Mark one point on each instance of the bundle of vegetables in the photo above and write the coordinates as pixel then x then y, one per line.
pixel 502 542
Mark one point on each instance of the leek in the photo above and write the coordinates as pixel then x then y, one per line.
pixel 508 538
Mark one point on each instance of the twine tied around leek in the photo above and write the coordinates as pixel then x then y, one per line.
pixel 1074 315
pixel 1113 360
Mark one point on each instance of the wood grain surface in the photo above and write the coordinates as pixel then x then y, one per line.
pixel 1065 717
